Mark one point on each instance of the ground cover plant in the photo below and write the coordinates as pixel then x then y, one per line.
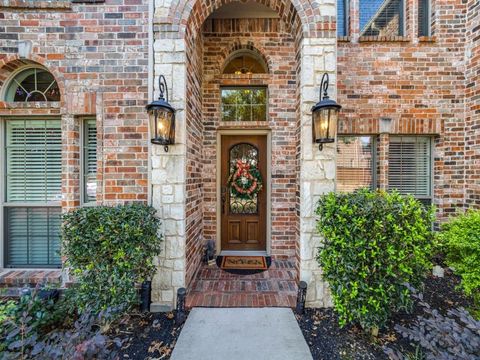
pixel 374 243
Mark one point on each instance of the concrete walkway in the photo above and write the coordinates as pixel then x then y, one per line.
pixel 241 334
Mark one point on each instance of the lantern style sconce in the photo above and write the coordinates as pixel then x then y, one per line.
pixel 162 117
pixel 325 116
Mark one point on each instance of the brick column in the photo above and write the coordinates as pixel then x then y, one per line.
pixel 70 162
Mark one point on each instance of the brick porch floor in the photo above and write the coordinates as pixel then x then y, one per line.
pixel 276 287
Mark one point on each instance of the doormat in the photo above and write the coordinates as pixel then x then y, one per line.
pixel 244 265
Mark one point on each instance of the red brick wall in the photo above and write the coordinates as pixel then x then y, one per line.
pixel 194 180
pixel 276 44
pixel 418 84
pixel 98 54
pixel 472 114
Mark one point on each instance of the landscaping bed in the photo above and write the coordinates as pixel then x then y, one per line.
pixel 148 336
pixel 328 341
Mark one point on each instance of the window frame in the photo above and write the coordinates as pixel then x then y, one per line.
pixel 3 192
pixel 83 163
pixel 431 167
pixel 233 87
pixel 373 150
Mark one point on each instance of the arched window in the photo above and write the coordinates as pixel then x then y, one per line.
pixel 32 84
pixel 245 62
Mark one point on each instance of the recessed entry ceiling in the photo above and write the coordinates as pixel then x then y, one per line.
pixel 240 10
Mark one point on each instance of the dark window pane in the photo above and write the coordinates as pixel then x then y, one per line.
pixel 342 21
pixel 381 17
pixel 423 18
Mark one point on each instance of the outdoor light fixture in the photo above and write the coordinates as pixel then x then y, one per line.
pixel 325 115
pixel 162 117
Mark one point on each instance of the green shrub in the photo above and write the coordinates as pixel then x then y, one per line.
pixel 460 241
pixel 108 250
pixel 374 244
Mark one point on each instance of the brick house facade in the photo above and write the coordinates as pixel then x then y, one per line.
pixel 405 85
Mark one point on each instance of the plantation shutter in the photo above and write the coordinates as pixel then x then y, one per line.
pixel 33 236
pixel 34 161
pixel 90 160
pixel 409 169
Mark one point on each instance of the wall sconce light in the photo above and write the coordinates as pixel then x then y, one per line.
pixel 162 117
pixel 324 116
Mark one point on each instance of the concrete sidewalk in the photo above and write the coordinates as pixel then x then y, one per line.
pixel 241 334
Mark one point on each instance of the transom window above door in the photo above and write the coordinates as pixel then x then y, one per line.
pixel 244 104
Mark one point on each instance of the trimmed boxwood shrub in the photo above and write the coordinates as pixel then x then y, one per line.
pixel 459 239
pixel 108 250
pixel 374 244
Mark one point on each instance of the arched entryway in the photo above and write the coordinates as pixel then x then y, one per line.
pixel 294 45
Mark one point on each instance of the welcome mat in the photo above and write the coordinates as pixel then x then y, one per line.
pixel 244 264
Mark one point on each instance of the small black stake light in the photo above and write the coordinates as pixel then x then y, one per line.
pixel 324 116
pixel 301 297
pixel 162 117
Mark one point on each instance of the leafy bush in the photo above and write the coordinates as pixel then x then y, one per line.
pixel 460 241
pixel 374 243
pixel 109 250
pixel 455 336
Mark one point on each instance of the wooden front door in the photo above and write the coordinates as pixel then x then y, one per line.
pixel 243 219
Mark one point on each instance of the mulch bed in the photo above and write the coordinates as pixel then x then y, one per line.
pixel 149 336
pixel 330 342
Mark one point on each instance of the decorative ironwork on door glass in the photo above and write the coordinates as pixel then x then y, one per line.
pixel 247 154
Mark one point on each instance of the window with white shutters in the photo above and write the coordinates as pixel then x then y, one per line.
pixel 410 166
pixel 89 160
pixel 33 160
pixel 33 174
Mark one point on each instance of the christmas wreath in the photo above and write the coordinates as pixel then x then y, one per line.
pixel 245 180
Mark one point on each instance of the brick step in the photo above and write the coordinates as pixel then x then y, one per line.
pixel 245 299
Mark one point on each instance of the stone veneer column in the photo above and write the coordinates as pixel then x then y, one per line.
pixel 168 176
pixel 317 174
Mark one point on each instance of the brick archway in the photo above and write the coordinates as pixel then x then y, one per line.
pixel 189 15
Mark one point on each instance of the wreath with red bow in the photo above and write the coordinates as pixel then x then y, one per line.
pixel 245 180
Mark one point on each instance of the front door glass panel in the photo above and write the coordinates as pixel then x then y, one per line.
pixel 248 154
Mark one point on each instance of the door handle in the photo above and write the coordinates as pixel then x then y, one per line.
pixel 224 198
